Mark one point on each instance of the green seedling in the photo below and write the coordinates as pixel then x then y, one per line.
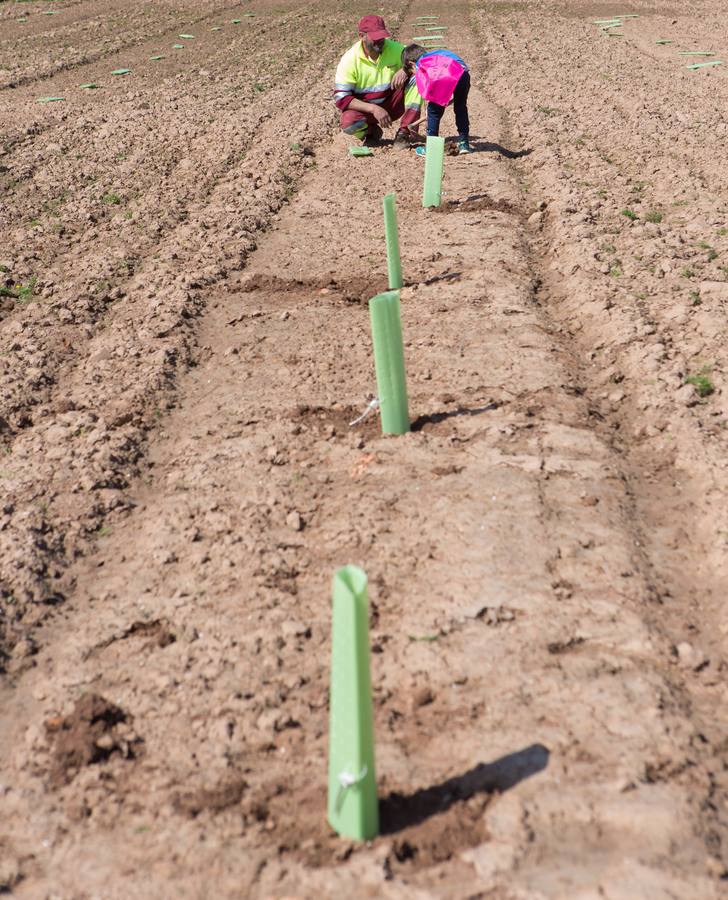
pixel 697 53
pixel 705 65
pixel 630 214
pixel 654 217
pixel 121 71
pixel 704 245
pixel 111 199
pixel 663 41
pixel 353 809
pixel 616 270
pixel 712 254
pixel 90 86
pixel 722 232
pixel 216 28
pixel 236 21
pixel 546 110
pixel 178 46
pixel 187 37
pixel 425 638
pixel 20 292
pixel 701 382
pixel 49 99
pixel 687 272
pixel 695 297
pixel 155 58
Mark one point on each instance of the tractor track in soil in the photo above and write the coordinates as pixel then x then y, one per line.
pixel 545 570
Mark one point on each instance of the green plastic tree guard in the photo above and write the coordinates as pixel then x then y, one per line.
pixel 434 164
pixel 394 263
pixel 353 809
pixel 389 362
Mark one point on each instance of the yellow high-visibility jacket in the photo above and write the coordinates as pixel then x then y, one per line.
pixel 360 77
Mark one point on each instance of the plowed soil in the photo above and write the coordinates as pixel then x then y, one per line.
pixel 187 253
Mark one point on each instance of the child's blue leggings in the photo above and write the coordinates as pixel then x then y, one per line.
pixel 460 103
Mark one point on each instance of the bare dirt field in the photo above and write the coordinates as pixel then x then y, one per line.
pixel 187 252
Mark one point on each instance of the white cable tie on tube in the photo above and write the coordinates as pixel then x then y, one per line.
pixel 373 404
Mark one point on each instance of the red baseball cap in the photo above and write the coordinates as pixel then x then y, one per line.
pixel 373 28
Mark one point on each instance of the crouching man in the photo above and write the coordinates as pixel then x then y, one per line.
pixel 372 90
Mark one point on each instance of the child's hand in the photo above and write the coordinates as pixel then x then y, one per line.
pixel 399 79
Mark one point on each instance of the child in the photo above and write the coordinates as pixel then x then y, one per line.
pixel 441 77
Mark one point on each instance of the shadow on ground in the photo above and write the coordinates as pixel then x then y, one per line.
pixel 435 418
pixel 481 146
pixel 399 811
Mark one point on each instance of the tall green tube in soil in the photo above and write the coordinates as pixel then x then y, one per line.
pixel 394 262
pixel 434 164
pixel 389 362
pixel 353 809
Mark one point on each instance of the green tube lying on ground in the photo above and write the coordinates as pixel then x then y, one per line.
pixel 394 262
pixel 434 164
pixel 353 810
pixel 384 313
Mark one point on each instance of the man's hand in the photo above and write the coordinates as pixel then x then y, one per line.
pixel 399 79
pixel 381 115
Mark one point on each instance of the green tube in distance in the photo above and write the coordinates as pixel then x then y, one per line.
pixel 389 362
pixel 353 809
pixel 434 164
pixel 394 263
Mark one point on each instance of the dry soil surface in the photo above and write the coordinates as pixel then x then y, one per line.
pixel 187 255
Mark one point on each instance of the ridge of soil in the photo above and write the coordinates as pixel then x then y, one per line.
pixel 545 549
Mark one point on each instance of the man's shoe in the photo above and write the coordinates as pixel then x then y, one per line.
pixel 402 140
pixel 464 147
pixel 373 136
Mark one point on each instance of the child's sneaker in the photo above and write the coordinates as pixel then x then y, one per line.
pixel 464 146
